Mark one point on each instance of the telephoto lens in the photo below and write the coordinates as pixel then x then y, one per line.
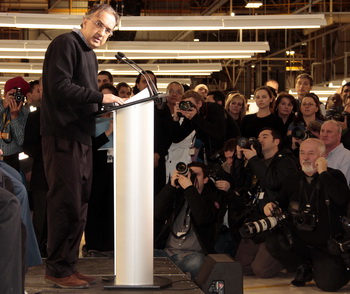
pixel 251 229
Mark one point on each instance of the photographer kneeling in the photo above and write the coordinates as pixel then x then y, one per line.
pixel 262 176
pixel 315 199
pixel 188 206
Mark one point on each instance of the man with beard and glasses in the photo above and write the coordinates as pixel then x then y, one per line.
pixel 315 198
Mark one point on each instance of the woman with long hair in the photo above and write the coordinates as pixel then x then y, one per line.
pixel 236 106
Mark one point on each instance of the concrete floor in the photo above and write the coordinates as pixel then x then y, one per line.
pixel 103 267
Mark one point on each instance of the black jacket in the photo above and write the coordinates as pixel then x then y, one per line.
pixel 204 211
pixel 330 185
pixel 70 89
pixel 209 124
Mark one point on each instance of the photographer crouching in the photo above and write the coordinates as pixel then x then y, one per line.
pixel 188 206
pixel 315 198
pixel 261 174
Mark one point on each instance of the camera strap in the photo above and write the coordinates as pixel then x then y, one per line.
pixel 6 119
pixel 313 193
pixel 186 224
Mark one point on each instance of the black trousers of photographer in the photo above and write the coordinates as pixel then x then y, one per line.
pixel 330 272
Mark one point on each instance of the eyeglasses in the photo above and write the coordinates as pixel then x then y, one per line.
pixel 101 27
pixel 308 104
pixel 175 92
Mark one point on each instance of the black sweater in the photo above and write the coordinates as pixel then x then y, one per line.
pixel 70 93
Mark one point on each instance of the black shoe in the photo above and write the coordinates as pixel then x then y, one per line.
pixel 303 275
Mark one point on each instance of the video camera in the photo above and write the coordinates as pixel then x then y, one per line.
pixel 251 229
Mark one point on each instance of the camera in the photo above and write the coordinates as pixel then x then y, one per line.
pixel 247 143
pixel 218 157
pixel 340 245
pixel 251 229
pixel 183 169
pixel 301 134
pixel 336 113
pixel 186 105
pixel 303 219
pixel 19 97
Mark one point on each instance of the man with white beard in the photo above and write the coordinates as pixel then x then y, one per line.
pixel 315 198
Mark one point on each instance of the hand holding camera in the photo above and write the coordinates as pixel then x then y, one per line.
pixel 271 208
pixel 182 176
pixel 186 109
pixel 14 101
pixel 246 153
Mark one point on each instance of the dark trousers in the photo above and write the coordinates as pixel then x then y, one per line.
pixel 40 218
pixel 99 230
pixel 11 245
pixel 330 271
pixel 68 168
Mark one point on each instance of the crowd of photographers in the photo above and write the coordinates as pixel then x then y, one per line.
pixel 271 188
pixel 275 201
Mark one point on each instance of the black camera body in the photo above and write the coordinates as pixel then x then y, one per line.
pixel 304 219
pixel 186 105
pixel 18 96
pixel 247 143
pixel 337 113
pixel 340 245
pixel 301 134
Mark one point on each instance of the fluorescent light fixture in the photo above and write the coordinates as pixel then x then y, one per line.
pixel 19 49
pixel 134 56
pixel 336 84
pixel 175 69
pixel 40 21
pixel 237 22
pixel 321 92
pixel 253 4
pixel 166 23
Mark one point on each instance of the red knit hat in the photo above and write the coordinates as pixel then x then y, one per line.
pixel 17 82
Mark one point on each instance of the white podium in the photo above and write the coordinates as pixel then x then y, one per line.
pixel 133 194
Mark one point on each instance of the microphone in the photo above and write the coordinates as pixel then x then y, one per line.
pixel 150 84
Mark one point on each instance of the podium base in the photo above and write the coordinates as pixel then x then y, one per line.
pixel 158 283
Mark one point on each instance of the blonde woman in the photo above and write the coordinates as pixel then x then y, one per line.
pixel 236 105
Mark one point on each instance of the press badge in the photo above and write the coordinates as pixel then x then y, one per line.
pixel 261 195
pixel 191 151
pixel 109 155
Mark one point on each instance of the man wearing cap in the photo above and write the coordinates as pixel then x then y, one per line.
pixel 13 120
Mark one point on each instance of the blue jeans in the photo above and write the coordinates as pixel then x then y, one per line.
pixel 33 256
pixel 191 263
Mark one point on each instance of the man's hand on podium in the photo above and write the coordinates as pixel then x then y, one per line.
pixel 110 98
